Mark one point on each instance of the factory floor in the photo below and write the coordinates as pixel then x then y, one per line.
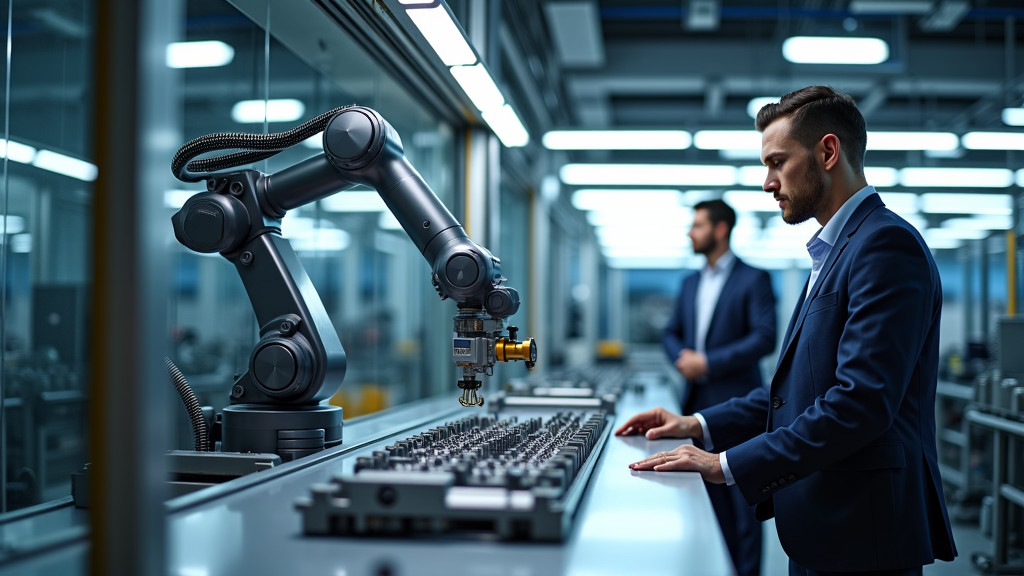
pixel 969 540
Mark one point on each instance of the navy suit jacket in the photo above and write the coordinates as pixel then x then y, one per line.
pixel 741 332
pixel 841 448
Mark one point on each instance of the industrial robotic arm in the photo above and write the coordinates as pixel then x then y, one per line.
pixel 299 360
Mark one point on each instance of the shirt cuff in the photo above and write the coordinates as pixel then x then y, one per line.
pixel 729 480
pixel 705 431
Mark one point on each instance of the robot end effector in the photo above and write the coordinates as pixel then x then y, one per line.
pixel 471 276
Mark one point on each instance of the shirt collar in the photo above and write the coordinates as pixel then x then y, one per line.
pixel 723 264
pixel 830 232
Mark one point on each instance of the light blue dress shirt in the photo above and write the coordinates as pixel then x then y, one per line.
pixel 712 279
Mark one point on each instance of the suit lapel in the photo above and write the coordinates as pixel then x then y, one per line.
pixel 856 219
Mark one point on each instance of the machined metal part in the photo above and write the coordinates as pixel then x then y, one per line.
pixel 516 478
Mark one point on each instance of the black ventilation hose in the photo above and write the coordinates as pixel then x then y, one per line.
pixel 195 411
pixel 254 147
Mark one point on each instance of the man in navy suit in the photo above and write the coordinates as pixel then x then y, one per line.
pixel 722 325
pixel 841 448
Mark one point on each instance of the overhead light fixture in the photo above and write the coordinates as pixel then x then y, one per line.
pixel 1013 116
pixel 452 47
pixel 203 54
pixel 983 222
pixel 648 175
pixel 939 141
pixel 755 104
pixel 66 165
pixel 956 177
pixel 16 151
pixel 354 201
pixel 617 140
pixel 477 83
pixel 728 140
pixel 506 126
pixel 879 7
pixel 635 214
pixel 442 33
pixel 938 235
pixel 747 201
pixel 902 203
pixel 967 203
pixel 665 237
pixel 881 176
pixel 279 110
pixel 11 224
pixel 835 50
pixel 993 140
pixel 612 199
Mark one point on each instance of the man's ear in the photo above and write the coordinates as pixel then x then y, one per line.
pixel 830 150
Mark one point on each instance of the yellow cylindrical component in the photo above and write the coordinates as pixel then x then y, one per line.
pixel 505 350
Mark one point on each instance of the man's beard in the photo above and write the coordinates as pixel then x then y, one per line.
pixel 804 203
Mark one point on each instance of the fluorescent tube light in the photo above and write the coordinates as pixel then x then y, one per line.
pixel 834 50
pixel 679 217
pixel 755 104
pixel 641 263
pixel 881 176
pixel 506 126
pixel 280 110
pixel 1013 116
pixel 205 54
pixel 985 222
pixel 21 243
pixel 11 224
pixel 939 141
pixel 993 141
pixel 648 175
pixel 477 83
pixel 354 201
pixel 956 177
pixel 619 199
pixel 643 237
pixel 617 140
pixel 939 234
pixel 175 199
pixel 966 203
pixel 16 151
pixel 747 201
pixel 753 176
pixel 890 6
pixel 649 251
pixel 443 35
pixel 902 203
pixel 728 140
pixel 66 165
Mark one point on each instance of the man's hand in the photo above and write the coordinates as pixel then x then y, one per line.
pixel 685 458
pixel 691 364
pixel 660 423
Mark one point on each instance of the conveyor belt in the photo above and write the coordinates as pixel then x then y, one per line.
pixel 514 477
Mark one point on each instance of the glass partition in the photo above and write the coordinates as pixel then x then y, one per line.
pixel 372 279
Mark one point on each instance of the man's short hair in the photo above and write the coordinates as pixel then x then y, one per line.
pixel 718 211
pixel 816 111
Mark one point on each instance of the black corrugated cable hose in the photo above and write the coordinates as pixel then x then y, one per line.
pixel 255 147
pixel 200 432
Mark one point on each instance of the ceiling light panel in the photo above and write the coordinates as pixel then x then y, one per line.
pixel 967 203
pixel 956 177
pixel 648 175
pixel 835 50
pixel 443 34
pixel 993 141
pixel 938 141
pixel 617 140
